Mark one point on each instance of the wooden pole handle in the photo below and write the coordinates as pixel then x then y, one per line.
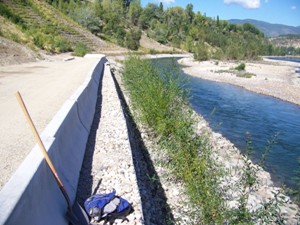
pixel 42 147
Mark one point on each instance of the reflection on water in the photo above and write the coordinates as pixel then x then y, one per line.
pixel 289 59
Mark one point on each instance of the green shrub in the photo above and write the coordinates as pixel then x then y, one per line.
pixel 234 51
pixel 245 75
pixel 159 94
pixel 240 67
pixel 4 11
pixel 132 39
pixel 201 53
pixel 159 98
pixel 39 40
pixel 218 54
pixel 153 51
pixel 119 35
pixel 61 45
pixel 80 49
pixel 87 17
pixel 14 37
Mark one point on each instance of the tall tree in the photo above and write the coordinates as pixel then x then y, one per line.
pixel 189 13
pixel 134 12
pixel 151 11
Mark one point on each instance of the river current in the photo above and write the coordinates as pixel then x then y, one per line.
pixel 272 123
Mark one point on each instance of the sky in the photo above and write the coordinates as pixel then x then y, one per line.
pixel 285 12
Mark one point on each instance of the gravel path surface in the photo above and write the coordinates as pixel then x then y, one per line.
pixel 45 86
pixel 108 162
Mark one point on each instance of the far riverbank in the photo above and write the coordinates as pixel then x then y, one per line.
pixel 272 77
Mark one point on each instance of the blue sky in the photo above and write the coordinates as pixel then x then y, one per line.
pixel 273 11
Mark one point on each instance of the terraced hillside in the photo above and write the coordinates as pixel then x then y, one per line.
pixel 38 20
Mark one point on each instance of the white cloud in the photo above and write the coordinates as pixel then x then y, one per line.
pixel 249 4
pixel 294 7
pixel 167 1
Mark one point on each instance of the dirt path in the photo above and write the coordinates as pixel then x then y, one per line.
pixel 44 86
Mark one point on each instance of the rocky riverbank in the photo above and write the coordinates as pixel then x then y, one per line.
pixel 233 163
pixel 262 192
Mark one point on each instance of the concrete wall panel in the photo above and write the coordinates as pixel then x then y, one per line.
pixel 31 192
pixel 32 195
pixel 69 146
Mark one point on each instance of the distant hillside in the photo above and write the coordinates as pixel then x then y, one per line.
pixel 290 41
pixel 112 27
pixel 269 29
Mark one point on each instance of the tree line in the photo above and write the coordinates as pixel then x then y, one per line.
pixel 124 21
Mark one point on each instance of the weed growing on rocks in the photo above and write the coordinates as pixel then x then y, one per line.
pixel 80 49
pixel 159 98
pixel 241 67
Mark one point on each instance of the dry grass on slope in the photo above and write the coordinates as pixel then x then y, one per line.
pixel 152 45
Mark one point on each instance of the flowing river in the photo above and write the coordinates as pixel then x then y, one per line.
pixel 235 112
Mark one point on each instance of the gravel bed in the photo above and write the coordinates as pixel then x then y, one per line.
pixel 108 161
pixel 119 157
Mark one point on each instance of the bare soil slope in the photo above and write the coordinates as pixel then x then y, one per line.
pixel 14 53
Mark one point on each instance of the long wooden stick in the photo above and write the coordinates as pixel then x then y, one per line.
pixel 43 149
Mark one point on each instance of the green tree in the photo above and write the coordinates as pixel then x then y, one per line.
pixel 135 11
pixel 161 8
pixel 201 52
pixel 119 35
pixel 150 12
pixel 132 39
pixel 189 13
pixel 86 16
pixel 161 32
pixel 249 27
pixel 113 19
pixel 189 44
pixel 174 19
pixel 234 50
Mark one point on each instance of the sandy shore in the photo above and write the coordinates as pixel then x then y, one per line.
pixel 45 86
pixel 274 78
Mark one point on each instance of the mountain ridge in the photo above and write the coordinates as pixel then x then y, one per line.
pixel 269 29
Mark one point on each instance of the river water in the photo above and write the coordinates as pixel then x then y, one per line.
pixel 234 111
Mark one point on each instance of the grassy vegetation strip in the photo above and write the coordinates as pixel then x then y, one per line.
pixel 159 100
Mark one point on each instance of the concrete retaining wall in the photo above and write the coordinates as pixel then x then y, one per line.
pixel 32 195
